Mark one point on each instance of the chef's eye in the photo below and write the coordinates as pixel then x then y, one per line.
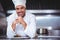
pixel 17 8
pixel 22 7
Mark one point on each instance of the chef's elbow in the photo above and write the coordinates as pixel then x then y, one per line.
pixel 31 36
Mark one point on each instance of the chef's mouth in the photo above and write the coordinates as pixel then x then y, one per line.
pixel 19 13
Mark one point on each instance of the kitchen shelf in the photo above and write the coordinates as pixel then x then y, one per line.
pixel 48 36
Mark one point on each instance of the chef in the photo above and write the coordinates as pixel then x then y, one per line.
pixel 21 23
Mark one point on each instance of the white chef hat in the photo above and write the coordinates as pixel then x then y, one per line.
pixel 19 2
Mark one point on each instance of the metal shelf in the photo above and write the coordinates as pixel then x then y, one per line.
pixel 48 36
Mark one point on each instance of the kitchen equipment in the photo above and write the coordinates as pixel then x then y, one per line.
pixel 42 31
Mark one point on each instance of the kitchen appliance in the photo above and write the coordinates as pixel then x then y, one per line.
pixel 42 31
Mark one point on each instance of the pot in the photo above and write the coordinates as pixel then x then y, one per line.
pixel 42 31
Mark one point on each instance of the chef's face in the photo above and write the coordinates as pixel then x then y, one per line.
pixel 20 10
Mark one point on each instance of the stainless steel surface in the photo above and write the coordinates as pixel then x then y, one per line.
pixel 54 32
pixel 32 39
pixel 48 21
pixel 48 36
pixel 37 11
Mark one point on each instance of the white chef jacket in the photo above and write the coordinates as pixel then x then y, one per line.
pixel 30 29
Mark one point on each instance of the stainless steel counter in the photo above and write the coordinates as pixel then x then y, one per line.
pixel 32 39
pixel 48 36
pixel 37 38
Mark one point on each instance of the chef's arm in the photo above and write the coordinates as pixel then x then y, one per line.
pixel 30 29
pixel 10 32
pixel 13 26
pixel 24 25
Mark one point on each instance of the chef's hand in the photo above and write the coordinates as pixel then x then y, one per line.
pixel 21 21
pixel 14 24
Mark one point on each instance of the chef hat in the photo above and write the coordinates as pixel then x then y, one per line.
pixel 19 2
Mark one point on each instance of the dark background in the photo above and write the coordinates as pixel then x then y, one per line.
pixel 33 4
